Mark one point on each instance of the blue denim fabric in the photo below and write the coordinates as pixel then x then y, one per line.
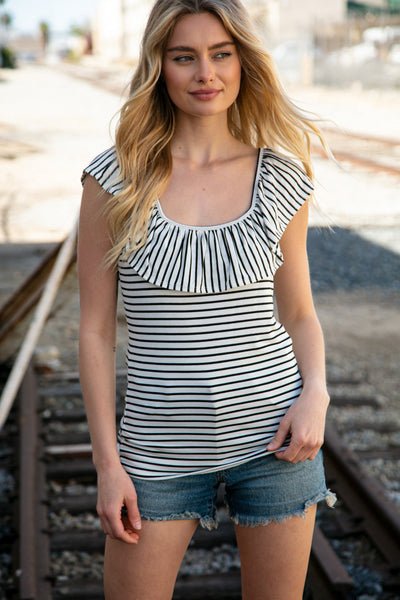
pixel 257 492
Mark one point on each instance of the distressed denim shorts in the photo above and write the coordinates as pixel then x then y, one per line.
pixel 257 492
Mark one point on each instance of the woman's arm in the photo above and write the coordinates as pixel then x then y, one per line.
pixel 305 419
pixel 97 340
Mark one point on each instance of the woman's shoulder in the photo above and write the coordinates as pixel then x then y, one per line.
pixel 281 163
pixel 284 173
pixel 283 186
pixel 105 169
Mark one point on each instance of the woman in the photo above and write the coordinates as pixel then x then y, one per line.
pixel 203 220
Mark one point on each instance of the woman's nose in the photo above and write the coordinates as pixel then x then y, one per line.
pixel 205 71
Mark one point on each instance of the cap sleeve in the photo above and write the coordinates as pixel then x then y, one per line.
pixel 285 187
pixel 104 168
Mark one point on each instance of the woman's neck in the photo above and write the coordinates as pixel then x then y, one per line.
pixel 203 141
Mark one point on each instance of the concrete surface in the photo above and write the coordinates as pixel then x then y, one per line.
pixel 56 124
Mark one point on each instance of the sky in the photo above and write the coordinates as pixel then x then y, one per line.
pixel 60 14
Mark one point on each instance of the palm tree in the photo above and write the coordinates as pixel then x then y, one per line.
pixel 45 34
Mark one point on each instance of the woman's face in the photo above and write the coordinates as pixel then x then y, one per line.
pixel 201 66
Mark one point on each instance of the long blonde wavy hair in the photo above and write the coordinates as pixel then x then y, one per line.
pixel 262 116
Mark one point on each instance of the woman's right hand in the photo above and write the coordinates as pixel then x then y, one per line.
pixel 115 491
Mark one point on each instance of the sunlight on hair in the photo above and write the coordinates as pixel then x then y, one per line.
pixel 262 116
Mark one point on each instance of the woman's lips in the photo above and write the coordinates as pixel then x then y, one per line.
pixel 205 94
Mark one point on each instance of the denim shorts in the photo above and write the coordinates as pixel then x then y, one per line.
pixel 257 492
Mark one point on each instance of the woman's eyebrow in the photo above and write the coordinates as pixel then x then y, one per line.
pixel 190 49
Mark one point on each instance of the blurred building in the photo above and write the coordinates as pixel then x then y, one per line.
pixel 288 29
pixel 118 28
pixel 283 20
pixel 27 47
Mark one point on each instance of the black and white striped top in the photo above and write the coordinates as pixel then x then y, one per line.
pixel 211 371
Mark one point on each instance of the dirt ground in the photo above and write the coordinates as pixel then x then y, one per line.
pixel 362 336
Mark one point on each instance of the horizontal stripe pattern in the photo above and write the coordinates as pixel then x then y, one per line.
pixel 210 370
pixel 209 377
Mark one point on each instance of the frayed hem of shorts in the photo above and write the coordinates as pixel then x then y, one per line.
pixel 247 521
pixel 205 522
pixel 330 499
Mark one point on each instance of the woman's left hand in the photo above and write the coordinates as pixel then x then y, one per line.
pixel 305 423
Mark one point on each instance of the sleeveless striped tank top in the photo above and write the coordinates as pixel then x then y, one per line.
pixel 211 372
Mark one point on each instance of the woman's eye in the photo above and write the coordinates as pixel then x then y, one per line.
pixel 183 59
pixel 222 55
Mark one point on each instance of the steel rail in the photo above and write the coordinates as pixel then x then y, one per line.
pixel 365 497
pixel 391 142
pixel 357 159
pixel 33 542
pixel 327 578
pixel 16 310
pixel 25 353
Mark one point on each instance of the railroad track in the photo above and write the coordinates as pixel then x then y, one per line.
pixel 51 517
pixel 58 532
pixel 16 310
pixel 365 513
pixel 376 154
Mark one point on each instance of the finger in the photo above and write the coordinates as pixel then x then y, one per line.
pixel 132 513
pixel 127 536
pixel 280 436
pixel 113 526
pixel 289 455
pixel 299 451
pixel 118 531
pixel 292 453
pixel 312 453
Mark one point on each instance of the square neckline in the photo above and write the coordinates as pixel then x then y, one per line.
pixel 219 225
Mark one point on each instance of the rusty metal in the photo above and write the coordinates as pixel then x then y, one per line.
pixel 371 513
pixel 27 294
pixel 327 578
pixel 364 496
pixel 67 461
pixel 331 571
pixel 33 543
pixel 327 575
pixel 15 312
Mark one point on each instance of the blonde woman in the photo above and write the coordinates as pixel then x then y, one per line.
pixel 201 214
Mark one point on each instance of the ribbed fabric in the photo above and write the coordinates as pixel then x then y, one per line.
pixel 210 370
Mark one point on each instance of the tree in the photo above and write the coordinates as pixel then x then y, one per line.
pixel 394 6
pixel 45 34
pixel 6 20
pixel 7 57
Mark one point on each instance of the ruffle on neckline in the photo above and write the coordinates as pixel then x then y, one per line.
pixel 220 258
pixel 206 260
